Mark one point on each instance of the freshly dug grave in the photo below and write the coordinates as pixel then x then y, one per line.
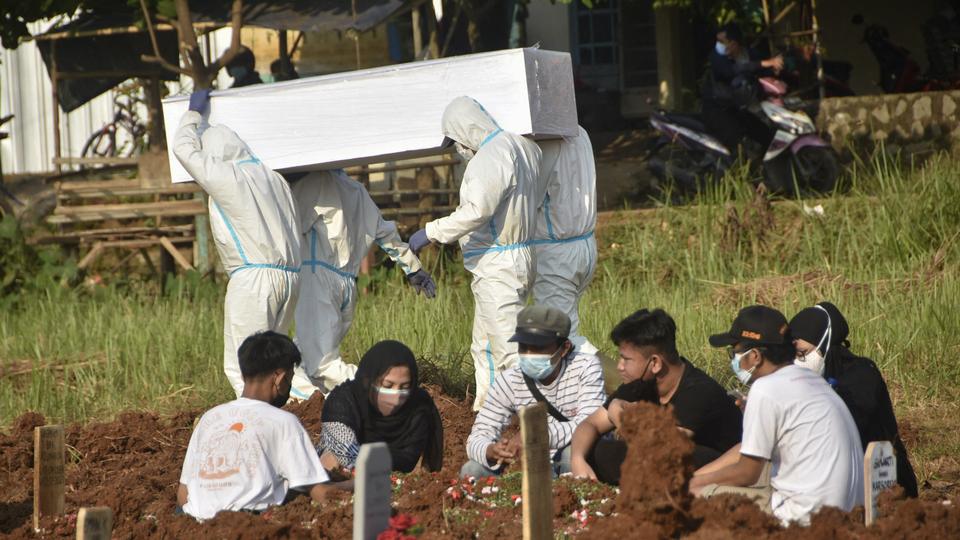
pixel 133 466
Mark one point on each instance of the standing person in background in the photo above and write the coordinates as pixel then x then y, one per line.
pixel 243 69
pixel 383 403
pixel 820 336
pixel 495 223
pixel 565 249
pixel 254 225
pixel 339 223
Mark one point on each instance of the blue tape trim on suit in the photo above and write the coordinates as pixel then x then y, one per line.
pixel 291 269
pixel 253 160
pixel 494 249
pixel 395 255
pixel 313 263
pixel 541 242
pixel 546 214
pixel 233 234
pixel 490 137
pixel 490 363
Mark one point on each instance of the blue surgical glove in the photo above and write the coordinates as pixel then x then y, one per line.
pixel 422 283
pixel 419 241
pixel 200 100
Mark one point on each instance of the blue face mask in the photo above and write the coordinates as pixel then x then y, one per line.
pixel 720 48
pixel 743 375
pixel 537 366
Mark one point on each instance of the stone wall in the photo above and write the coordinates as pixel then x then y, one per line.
pixel 924 119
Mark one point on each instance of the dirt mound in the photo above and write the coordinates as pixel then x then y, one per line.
pixel 654 501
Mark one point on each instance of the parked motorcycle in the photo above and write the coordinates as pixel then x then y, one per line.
pixel 691 158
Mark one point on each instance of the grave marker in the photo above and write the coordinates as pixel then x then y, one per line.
pixel 372 490
pixel 48 480
pixel 95 523
pixel 879 473
pixel 537 495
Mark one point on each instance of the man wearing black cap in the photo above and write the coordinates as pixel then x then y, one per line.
pixel 793 419
pixel 550 370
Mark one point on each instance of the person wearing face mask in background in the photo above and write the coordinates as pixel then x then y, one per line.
pixel 820 337
pixel 495 224
pixel 727 89
pixel 248 453
pixel 550 370
pixel 653 371
pixel 242 69
pixel 383 403
pixel 793 419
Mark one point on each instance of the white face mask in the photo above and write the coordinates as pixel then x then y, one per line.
pixel 743 375
pixel 814 361
pixel 466 154
pixel 390 399
pixel 720 48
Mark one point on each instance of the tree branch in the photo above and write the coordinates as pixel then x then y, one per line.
pixel 236 24
pixel 157 58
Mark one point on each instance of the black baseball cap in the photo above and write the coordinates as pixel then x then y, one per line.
pixel 759 325
pixel 541 325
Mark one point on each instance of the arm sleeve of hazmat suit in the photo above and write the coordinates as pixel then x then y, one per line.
pixel 482 190
pixel 589 398
pixel 490 421
pixel 211 172
pixel 389 241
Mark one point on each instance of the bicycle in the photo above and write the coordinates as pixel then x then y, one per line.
pixel 103 142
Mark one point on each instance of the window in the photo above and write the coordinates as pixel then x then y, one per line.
pixel 596 33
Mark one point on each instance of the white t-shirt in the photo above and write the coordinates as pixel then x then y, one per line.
pixel 245 455
pixel 796 420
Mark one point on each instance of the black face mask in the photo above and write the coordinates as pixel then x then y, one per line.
pixel 281 398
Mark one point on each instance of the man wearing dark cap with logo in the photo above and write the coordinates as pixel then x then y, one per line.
pixel 550 370
pixel 793 419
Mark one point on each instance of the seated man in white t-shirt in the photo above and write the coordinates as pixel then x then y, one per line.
pixel 794 419
pixel 246 454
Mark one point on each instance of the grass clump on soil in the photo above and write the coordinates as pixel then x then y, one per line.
pixel 885 253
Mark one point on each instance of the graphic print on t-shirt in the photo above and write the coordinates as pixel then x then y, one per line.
pixel 229 454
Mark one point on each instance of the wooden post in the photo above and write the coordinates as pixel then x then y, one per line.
pixel 48 478
pixel 417 32
pixel 54 82
pixel 426 180
pixel 537 494
pixel 95 523
pixel 371 498
pixel 879 473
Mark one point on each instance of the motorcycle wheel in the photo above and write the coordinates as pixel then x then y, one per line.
pixel 778 175
pixel 817 168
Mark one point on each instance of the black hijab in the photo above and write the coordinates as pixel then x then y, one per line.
pixel 857 381
pixel 350 404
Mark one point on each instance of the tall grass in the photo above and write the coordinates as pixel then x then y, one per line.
pixel 885 253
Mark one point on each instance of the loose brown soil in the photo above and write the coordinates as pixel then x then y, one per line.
pixel 133 466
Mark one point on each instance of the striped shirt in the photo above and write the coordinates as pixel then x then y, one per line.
pixel 576 393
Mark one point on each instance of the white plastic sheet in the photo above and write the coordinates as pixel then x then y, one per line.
pixel 393 112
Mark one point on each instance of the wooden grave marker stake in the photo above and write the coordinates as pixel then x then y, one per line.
pixel 95 523
pixel 372 490
pixel 537 494
pixel 48 480
pixel 879 473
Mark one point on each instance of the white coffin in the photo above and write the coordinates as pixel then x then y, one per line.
pixel 393 112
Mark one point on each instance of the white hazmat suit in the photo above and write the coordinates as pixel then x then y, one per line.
pixel 339 222
pixel 495 223
pixel 255 227
pixel 566 250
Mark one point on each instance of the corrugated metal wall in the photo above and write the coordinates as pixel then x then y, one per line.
pixel 25 92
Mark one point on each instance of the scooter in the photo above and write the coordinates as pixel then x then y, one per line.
pixel 689 157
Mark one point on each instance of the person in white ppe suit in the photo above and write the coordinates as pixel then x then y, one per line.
pixel 339 223
pixel 565 248
pixel 494 222
pixel 254 224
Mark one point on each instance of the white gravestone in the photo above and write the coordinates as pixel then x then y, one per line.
pixel 879 473
pixel 372 490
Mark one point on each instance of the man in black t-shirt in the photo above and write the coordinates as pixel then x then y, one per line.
pixel 653 371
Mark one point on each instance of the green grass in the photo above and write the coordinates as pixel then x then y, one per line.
pixel 885 253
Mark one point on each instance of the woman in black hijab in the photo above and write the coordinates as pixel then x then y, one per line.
pixel 383 403
pixel 820 335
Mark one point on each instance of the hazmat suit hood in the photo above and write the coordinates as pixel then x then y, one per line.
pixel 222 142
pixel 467 122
